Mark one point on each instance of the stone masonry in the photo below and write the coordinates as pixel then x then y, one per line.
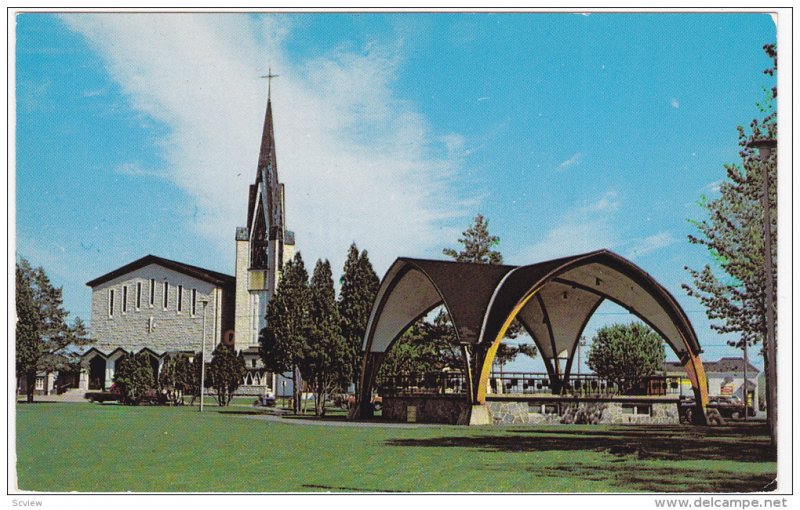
pixel 153 326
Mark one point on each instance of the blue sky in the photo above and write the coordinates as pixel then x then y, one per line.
pixel 139 134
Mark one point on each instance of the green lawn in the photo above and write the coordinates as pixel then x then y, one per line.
pixel 85 447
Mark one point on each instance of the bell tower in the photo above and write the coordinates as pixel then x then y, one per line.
pixel 262 247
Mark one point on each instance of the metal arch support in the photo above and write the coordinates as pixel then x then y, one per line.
pixel 481 386
pixel 691 360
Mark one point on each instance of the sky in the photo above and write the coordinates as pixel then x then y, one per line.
pixel 138 134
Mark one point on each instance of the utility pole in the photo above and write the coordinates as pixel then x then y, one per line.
pixel 203 358
pixel 765 147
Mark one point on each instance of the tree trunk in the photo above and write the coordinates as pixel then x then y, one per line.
pixel 296 390
pixel 31 384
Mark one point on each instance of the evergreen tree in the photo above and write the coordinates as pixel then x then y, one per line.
pixel 626 353
pixel 288 324
pixel 184 376
pixel 478 245
pixel 326 362
pixel 28 345
pixel 133 376
pixel 507 353
pixel 226 372
pixel 359 286
pixel 46 340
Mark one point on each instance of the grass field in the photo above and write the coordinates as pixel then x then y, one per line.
pixel 111 448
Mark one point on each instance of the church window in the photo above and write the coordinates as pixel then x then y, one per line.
pixel 110 302
pixel 124 298
pixel 138 295
pixel 152 291
pixel 194 302
pixel 259 244
pixel 166 295
pixel 180 298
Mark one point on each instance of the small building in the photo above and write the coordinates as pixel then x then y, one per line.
pixel 726 378
pixel 158 306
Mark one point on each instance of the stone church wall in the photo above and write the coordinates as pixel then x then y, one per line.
pixel 154 326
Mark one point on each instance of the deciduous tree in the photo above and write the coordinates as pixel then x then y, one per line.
pixel 45 341
pixel 626 353
pixel 732 286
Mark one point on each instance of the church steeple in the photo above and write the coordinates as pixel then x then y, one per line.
pixel 267 154
pixel 264 245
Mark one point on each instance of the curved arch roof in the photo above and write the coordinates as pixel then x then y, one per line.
pixel 554 300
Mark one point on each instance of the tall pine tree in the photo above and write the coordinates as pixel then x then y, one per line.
pixel 359 286
pixel 479 247
pixel 325 364
pixel 288 324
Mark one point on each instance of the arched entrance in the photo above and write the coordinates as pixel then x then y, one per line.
pixel 97 373
pixel 553 301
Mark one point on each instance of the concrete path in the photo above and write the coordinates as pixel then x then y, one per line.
pixel 342 423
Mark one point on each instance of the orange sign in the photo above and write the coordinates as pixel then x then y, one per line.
pixel 228 337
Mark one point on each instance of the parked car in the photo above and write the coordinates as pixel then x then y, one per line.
pixel 112 395
pixel 730 407
pixel 727 407
pixel 265 401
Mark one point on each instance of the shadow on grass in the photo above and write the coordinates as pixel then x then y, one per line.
pixel 246 412
pixel 346 489
pixel 628 478
pixel 674 443
pixel 311 417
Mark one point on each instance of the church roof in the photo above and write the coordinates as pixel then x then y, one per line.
pixel 200 273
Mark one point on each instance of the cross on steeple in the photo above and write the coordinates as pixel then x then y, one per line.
pixel 269 76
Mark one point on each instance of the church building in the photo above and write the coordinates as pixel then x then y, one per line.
pixel 161 306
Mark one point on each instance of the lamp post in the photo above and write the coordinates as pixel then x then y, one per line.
pixel 203 357
pixel 765 146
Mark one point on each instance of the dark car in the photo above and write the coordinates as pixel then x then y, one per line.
pixel 727 407
pixel 112 395
pixel 730 407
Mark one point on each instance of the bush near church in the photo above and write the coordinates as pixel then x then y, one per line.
pixel 134 378
pixel 226 371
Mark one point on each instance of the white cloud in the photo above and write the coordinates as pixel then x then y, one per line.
pixel 136 170
pixel 674 103
pixel 573 160
pixel 711 187
pixel 358 162
pixel 650 244
pixel 583 228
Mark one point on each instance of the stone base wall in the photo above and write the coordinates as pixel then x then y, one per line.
pixel 609 412
pixel 427 409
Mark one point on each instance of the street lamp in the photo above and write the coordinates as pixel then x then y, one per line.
pixel 203 357
pixel 765 146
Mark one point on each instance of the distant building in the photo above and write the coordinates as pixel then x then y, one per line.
pixel 726 378
pixel 158 306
